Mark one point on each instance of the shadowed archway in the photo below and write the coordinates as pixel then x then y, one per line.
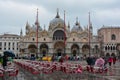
pixel 75 49
pixel 32 48
pixel 59 48
pixel 44 49
pixel 85 49
pixel 107 54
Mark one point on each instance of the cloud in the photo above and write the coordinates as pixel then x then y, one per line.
pixel 20 8
pixel 18 12
pixel 108 16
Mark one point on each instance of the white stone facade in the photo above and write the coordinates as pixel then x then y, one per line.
pixel 9 42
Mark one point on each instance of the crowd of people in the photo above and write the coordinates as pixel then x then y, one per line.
pixel 101 61
pixel 91 60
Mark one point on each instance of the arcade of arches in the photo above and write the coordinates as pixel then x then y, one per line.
pixel 108 54
pixel 59 49
pixel 33 49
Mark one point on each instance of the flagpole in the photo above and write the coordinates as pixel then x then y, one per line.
pixel 89 34
pixel 37 24
pixel 64 35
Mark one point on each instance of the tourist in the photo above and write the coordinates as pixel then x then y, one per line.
pixel 32 57
pixel 100 62
pixel 110 60
pixel 61 60
pixel 106 61
pixel 5 59
pixel 89 61
pixel 53 58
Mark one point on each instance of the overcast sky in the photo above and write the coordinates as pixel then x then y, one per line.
pixel 15 13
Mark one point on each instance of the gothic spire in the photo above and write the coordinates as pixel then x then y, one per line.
pixel 77 23
pixel 27 24
pixel 68 24
pixel 21 32
pixel 57 16
pixel 44 27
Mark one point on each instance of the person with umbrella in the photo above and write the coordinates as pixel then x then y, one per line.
pixel 5 60
pixel 9 53
pixel 5 57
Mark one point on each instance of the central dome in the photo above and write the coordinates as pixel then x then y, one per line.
pixel 57 21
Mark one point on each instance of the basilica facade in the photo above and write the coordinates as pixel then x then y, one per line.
pixel 59 39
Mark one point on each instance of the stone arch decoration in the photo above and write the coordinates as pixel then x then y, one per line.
pixel 44 49
pixel 59 48
pixel 75 49
pixel 85 49
pixel 32 48
pixel 107 54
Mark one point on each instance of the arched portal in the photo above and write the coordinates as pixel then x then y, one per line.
pixel 44 49
pixel 75 49
pixel 96 50
pixel 59 48
pixel 85 49
pixel 113 54
pixel 107 55
pixel 58 35
pixel 32 48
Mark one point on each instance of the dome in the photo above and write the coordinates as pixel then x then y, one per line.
pixel 77 27
pixel 56 21
pixel 34 28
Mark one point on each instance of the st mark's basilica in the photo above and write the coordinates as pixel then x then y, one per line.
pixel 59 39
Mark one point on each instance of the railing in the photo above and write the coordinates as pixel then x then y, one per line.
pixel 58 38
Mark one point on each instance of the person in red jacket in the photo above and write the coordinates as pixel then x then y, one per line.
pixel 110 60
